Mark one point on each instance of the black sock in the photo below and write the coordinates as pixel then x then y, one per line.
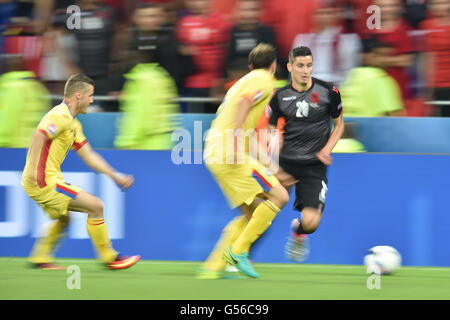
pixel 299 229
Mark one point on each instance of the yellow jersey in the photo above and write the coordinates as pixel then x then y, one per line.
pixel 257 86
pixel 64 133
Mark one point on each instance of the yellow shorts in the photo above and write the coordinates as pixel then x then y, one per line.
pixel 242 183
pixel 54 198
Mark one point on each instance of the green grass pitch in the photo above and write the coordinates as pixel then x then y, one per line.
pixel 175 280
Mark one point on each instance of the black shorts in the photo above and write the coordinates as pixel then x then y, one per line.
pixel 312 185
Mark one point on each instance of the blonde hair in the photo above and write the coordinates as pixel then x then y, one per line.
pixel 77 82
pixel 262 56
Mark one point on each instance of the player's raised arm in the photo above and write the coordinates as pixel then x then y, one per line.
pixel 97 163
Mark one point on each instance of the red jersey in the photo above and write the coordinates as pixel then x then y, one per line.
pixel 288 18
pixel 400 40
pixel 438 42
pixel 30 47
pixel 208 35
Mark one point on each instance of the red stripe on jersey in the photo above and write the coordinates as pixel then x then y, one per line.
pixel 66 190
pixel 77 146
pixel 43 164
pixel 262 179
pixel 45 132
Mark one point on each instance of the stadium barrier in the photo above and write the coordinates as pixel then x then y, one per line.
pixel 176 212
pixel 412 135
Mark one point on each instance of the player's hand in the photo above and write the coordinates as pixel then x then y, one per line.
pixel 285 178
pixel 325 157
pixel 123 181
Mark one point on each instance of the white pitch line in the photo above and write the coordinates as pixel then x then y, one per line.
pixel 260 264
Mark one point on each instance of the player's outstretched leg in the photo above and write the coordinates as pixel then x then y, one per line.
pixel 43 251
pixel 96 226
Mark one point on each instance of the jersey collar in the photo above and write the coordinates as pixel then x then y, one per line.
pixel 68 109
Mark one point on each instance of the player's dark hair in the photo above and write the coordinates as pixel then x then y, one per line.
pixel 299 52
pixel 262 56
pixel 76 83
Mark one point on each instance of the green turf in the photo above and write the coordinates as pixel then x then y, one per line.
pixel 170 280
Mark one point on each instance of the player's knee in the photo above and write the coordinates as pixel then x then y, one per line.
pixel 64 221
pixel 311 222
pixel 279 196
pixel 97 209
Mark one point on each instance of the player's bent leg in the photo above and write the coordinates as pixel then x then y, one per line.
pixel 262 218
pixel 44 248
pixel 88 203
pixel 310 220
pixel 215 264
pixel 297 247
pixel 96 226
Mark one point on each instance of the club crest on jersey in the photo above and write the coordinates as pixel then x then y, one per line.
pixel 315 99
pixel 258 95
pixel 51 129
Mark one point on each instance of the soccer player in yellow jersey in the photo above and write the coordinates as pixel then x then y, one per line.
pixel 245 181
pixel 57 133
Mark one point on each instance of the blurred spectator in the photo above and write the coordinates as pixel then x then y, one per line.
pixel 349 142
pixel 437 62
pixel 206 33
pixel 288 18
pixel 148 109
pixel 225 7
pixel 395 32
pixel 60 59
pixel 368 90
pixel 245 35
pixel 416 11
pixel 335 53
pixel 21 38
pixel 153 40
pixel 23 102
pixel 94 44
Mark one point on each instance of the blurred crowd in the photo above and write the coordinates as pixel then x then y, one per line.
pixel 388 57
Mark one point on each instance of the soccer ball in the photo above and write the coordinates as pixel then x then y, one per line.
pixel 382 260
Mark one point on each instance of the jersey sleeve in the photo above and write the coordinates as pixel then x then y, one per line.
pixel 273 110
pixel 53 124
pixel 256 91
pixel 335 102
pixel 80 138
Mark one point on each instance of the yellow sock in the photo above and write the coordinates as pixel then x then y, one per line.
pixel 99 235
pixel 45 246
pixel 261 220
pixel 215 261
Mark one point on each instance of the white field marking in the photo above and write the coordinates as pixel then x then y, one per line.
pixel 260 264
